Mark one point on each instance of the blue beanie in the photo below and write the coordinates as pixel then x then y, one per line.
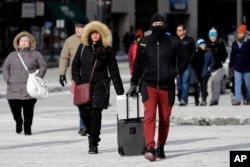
pixel 200 42
pixel 212 32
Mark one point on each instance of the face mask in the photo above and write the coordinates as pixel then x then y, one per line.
pixel 158 31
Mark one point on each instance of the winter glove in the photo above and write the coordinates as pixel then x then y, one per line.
pixel 62 80
pixel 231 72
pixel 120 93
pixel 132 90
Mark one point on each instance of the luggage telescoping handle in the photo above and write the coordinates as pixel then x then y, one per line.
pixel 127 103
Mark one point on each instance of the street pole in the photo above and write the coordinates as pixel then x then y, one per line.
pixel 239 12
pixel 100 11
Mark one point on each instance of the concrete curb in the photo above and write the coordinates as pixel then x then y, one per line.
pixel 208 121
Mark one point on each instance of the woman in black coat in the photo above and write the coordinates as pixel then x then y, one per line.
pixel 97 42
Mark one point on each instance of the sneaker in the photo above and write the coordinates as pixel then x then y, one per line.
pixel 82 132
pixel 197 103
pixel 214 103
pixel 183 103
pixel 203 103
pixel 150 154
pixel 246 102
pixel 160 152
pixel 236 103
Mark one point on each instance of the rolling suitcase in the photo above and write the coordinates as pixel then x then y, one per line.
pixel 130 134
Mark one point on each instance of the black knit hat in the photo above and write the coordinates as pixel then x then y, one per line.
pixel 157 17
pixel 80 23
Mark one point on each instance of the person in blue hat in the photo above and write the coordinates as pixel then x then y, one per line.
pixel 220 55
pixel 203 63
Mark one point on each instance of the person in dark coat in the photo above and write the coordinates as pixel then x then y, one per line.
pixel 16 78
pixel 184 79
pixel 220 55
pixel 203 63
pixel 97 42
pixel 156 66
pixel 127 40
pixel 239 65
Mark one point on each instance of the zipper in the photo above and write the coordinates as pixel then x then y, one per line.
pixel 158 66
pixel 106 86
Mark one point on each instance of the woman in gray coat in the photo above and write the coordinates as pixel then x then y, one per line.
pixel 16 78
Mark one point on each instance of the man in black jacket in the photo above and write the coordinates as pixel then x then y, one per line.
pixel 156 67
pixel 184 79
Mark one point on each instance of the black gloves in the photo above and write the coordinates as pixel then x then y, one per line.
pixel 231 72
pixel 62 80
pixel 132 90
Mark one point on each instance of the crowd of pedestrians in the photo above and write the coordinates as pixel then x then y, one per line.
pixel 155 61
pixel 205 74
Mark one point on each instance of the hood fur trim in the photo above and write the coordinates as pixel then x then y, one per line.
pixel 104 31
pixel 21 34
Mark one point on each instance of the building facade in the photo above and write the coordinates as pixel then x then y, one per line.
pixel 52 21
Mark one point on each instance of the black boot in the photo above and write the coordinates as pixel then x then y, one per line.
pixel 92 147
pixel 27 129
pixel 93 150
pixel 19 128
pixel 160 152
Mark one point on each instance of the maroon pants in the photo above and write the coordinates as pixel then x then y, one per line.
pixel 156 98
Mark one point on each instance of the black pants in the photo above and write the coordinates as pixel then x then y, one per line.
pixel 203 83
pixel 16 107
pixel 92 118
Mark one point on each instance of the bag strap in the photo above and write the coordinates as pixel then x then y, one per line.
pixel 93 69
pixel 92 72
pixel 21 59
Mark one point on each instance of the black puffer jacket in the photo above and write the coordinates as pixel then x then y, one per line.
pixel 157 62
pixel 220 53
pixel 106 67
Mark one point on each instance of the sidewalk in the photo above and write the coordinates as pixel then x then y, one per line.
pixel 55 142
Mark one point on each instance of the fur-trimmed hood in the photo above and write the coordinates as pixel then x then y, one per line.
pixel 104 31
pixel 21 34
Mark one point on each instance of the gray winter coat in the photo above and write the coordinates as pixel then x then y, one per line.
pixel 13 71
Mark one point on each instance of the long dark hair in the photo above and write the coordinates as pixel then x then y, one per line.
pixel 99 49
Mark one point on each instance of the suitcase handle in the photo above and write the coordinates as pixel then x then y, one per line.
pixel 127 103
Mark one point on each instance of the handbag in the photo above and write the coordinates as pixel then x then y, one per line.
pixel 82 92
pixel 37 87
